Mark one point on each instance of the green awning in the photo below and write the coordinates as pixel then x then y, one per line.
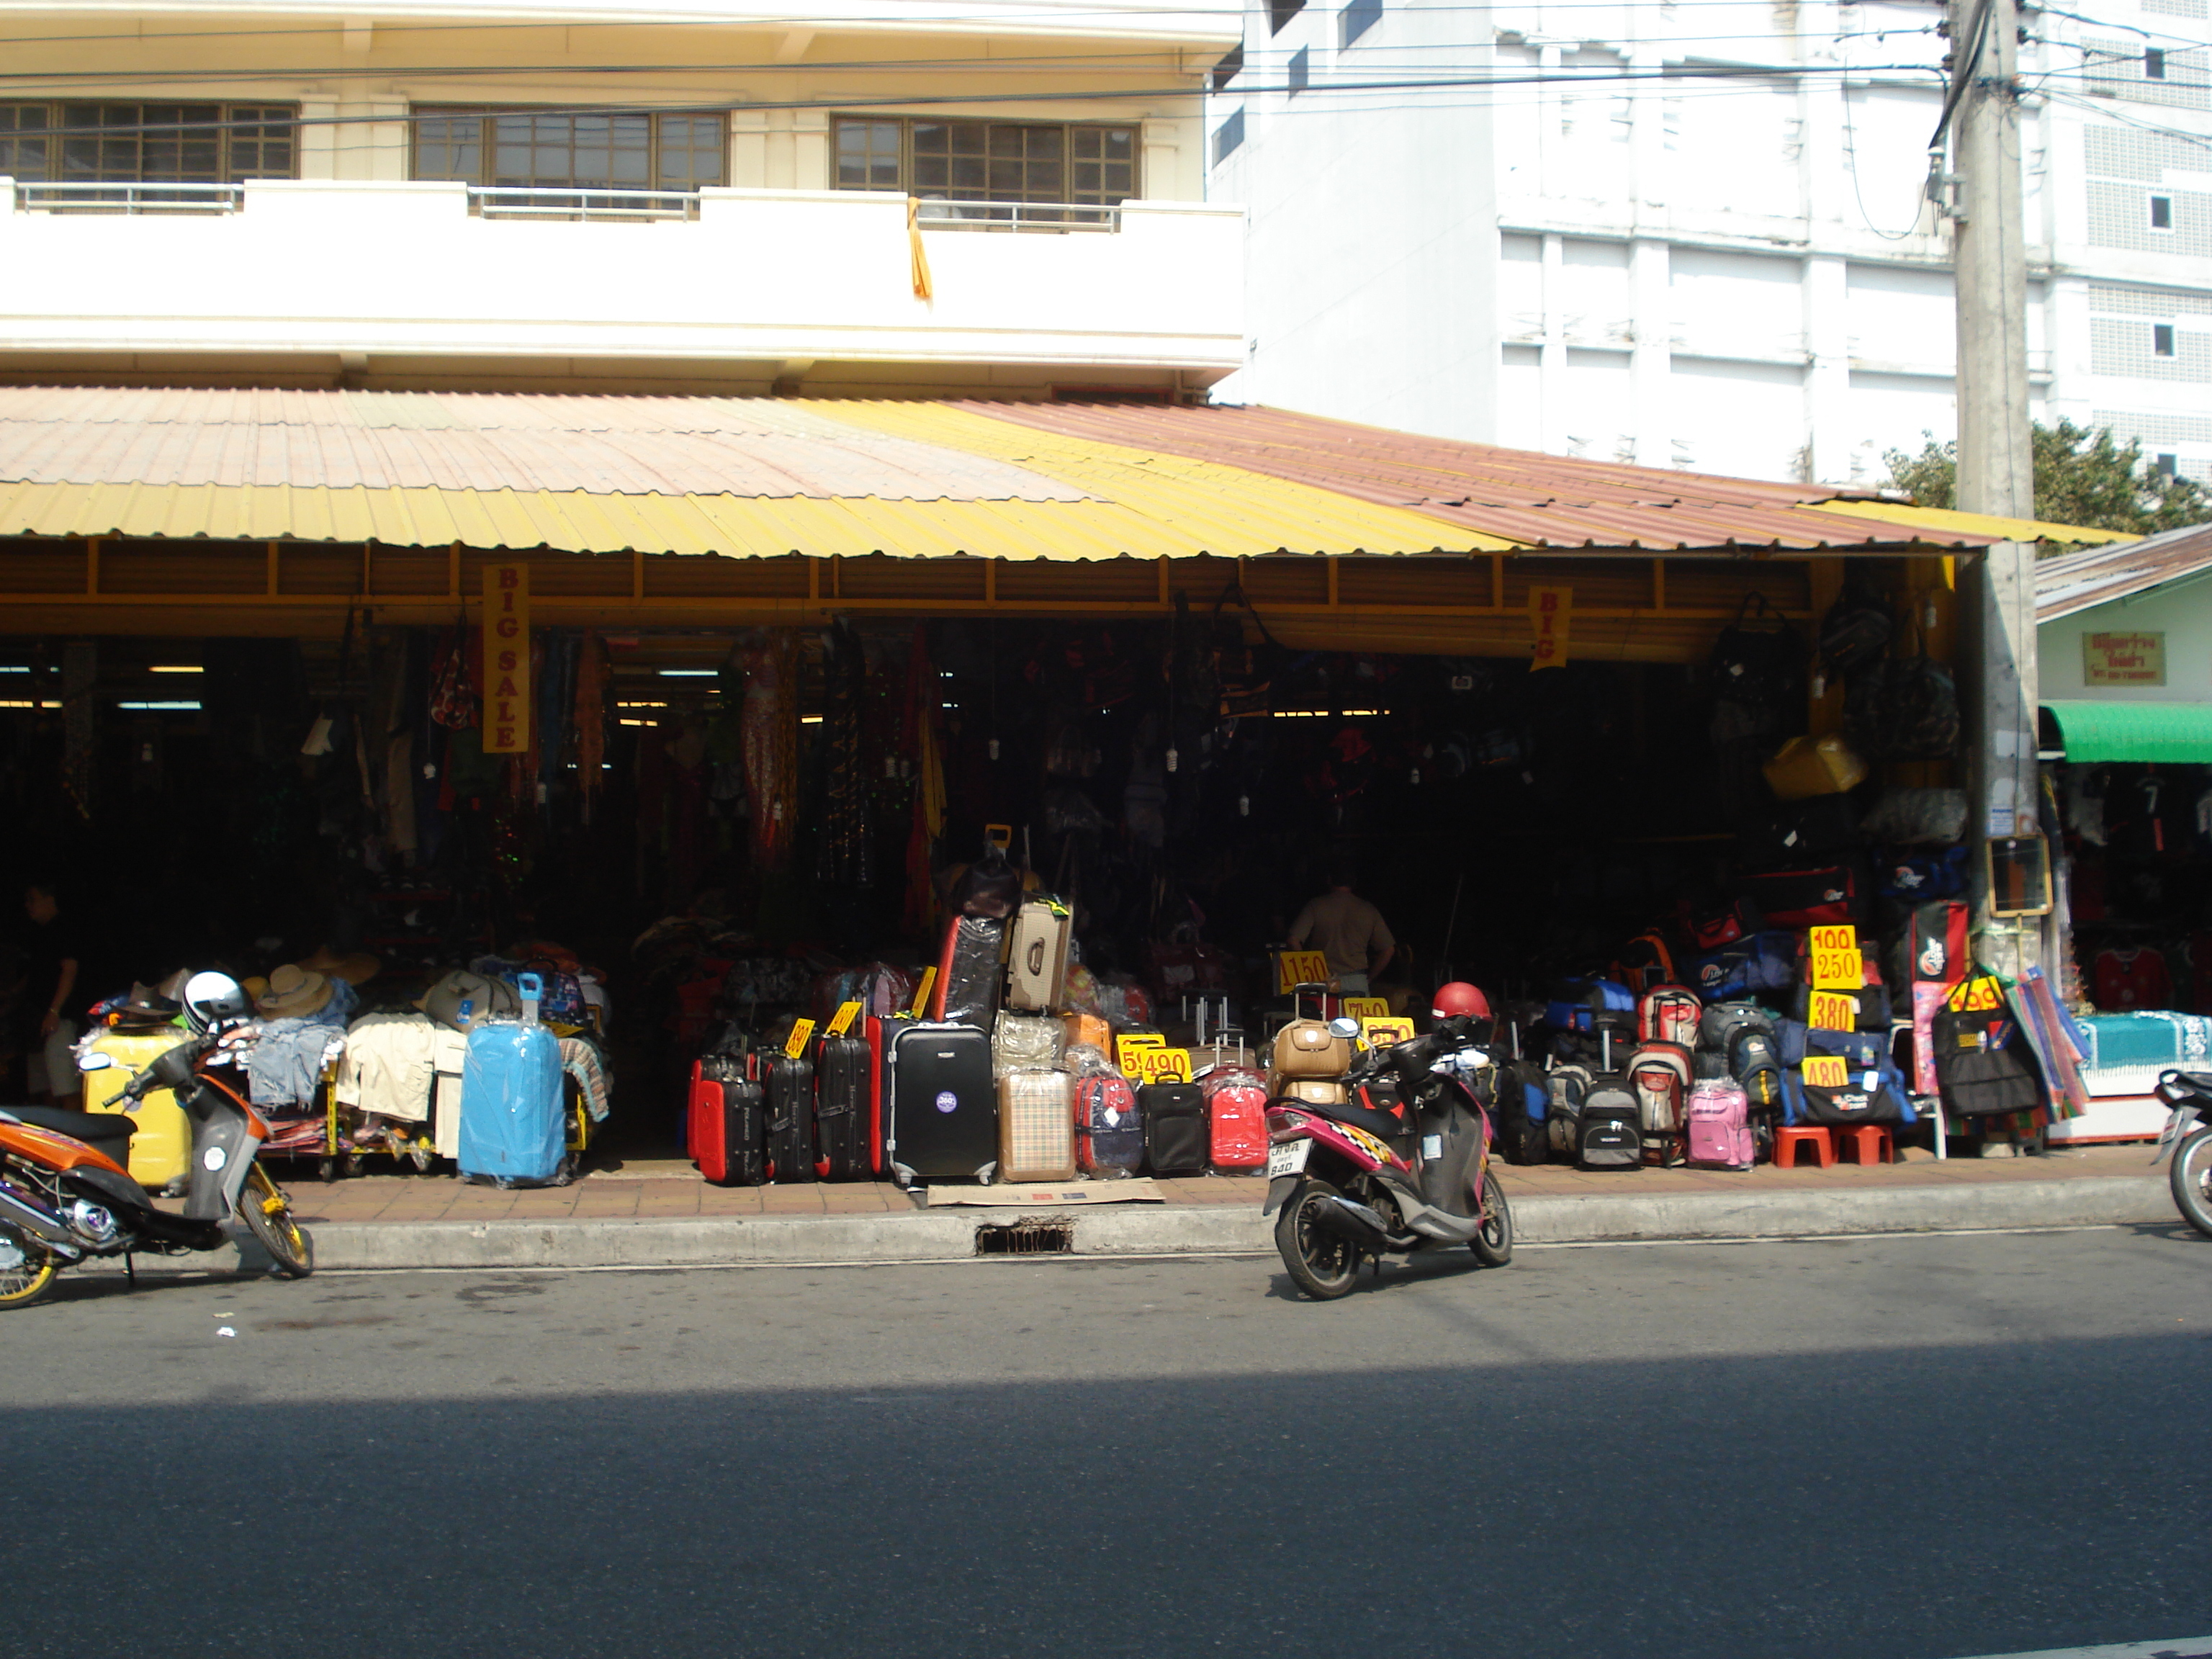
pixel 2169 731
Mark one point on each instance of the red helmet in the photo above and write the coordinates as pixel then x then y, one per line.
pixel 1457 999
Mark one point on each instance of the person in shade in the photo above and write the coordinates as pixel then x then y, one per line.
pixel 1346 930
pixel 50 987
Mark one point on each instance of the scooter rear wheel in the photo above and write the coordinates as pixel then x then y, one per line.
pixel 268 1215
pixel 1493 1245
pixel 2191 1180
pixel 27 1273
pixel 1323 1264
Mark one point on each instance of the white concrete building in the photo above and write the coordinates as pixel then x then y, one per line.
pixel 1694 233
pixel 564 195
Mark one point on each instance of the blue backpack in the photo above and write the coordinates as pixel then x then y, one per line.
pixel 1577 1004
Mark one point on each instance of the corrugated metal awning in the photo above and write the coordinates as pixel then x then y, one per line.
pixel 2174 733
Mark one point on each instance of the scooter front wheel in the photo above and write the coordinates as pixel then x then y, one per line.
pixel 268 1216
pixel 27 1272
pixel 1493 1245
pixel 2192 1177
pixel 1323 1264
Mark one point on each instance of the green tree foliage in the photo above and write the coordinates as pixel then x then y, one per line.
pixel 2081 477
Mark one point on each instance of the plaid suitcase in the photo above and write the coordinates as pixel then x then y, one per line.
pixel 1036 1125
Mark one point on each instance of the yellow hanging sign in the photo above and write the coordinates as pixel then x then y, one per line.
pixel 507 659
pixel 1382 1031
pixel 1161 1065
pixel 921 993
pixel 841 1021
pixel 1827 1071
pixel 1131 1047
pixel 1837 965
pixel 1297 967
pixel 795 1044
pixel 1550 610
pixel 1832 1013
pixel 1367 1007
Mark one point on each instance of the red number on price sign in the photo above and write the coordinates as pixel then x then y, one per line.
pixel 1827 1071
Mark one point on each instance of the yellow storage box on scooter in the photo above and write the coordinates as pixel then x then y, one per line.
pixel 161 1144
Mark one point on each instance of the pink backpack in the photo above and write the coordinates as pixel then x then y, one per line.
pixel 1720 1126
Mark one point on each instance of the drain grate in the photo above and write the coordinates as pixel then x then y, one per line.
pixel 1029 1235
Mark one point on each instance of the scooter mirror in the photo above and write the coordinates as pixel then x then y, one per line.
pixel 1344 1026
pixel 95 1062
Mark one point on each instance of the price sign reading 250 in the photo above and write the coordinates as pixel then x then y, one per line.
pixel 1836 962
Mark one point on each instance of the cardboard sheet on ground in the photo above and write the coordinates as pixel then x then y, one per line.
pixel 1028 1194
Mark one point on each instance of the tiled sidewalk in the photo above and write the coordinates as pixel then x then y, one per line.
pixel 671 1189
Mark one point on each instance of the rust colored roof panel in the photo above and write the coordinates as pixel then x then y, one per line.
pixel 2075 582
pixel 1558 502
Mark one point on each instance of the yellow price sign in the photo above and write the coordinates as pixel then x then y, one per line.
pixel 1367 1007
pixel 1831 1012
pixel 1827 1071
pixel 920 1003
pixel 841 1021
pixel 1838 937
pixel 1381 1031
pixel 1129 1048
pixel 1297 967
pixel 1163 1065
pixel 795 1044
pixel 1839 971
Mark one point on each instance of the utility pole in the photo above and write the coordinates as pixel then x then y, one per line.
pixel 1996 470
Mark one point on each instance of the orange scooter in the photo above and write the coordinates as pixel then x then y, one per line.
pixel 66 1191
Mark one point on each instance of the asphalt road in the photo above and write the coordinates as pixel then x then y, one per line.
pixel 1899 1448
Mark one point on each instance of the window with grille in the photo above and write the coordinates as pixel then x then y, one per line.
pixel 1002 166
pixel 2161 213
pixel 106 144
pixel 2153 64
pixel 2161 339
pixel 559 150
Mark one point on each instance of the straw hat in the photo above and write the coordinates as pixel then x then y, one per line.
pixel 353 967
pixel 294 991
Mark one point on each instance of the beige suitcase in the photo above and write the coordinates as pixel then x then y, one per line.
pixel 1308 1049
pixel 1036 955
pixel 1036 1125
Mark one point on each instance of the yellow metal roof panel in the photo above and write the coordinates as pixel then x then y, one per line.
pixel 1971 524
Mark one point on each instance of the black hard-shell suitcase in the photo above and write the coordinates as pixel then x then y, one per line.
pixel 844 1091
pixel 725 1123
pixel 1174 1127
pixel 944 1120
pixel 790 1089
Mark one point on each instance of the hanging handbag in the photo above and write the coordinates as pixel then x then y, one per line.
pixel 1904 708
pixel 1758 659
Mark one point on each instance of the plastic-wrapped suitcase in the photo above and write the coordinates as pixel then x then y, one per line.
pixel 967 972
pixel 1236 1119
pixel 726 1132
pixel 882 1034
pixel 514 1127
pixel 788 1085
pixel 1720 1127
pixel 1109 1136
pixel 1175 1127
pixel 944 1123
pixel 1036 1125
pixel 844 1091
pixel 1037 956
pixel 160 1139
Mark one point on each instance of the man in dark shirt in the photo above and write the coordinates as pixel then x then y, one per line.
pixel 49 993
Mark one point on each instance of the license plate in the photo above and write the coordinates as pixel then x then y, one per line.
pixel 1287 1159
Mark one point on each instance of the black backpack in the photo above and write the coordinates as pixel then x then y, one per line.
pixel 1855 632
pixel 1758 659
pixel 1904 708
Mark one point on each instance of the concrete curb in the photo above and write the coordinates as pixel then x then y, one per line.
pixel 951 1235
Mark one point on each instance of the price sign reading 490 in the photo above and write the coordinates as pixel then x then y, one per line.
pixel 1837 963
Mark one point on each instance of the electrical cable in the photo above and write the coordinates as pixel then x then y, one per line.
pixel 1966 57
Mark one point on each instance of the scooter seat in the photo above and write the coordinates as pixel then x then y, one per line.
pixel 1381 1125
pixel 101 1129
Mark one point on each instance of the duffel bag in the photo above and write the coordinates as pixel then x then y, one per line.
pixel 1983 1066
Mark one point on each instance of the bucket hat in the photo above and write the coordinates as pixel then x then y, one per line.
pixel 294 991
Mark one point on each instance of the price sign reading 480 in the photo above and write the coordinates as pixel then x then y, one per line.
pixel 1837 963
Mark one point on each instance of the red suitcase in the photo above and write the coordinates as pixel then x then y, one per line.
pixel 723 1125
pixel 1237 1120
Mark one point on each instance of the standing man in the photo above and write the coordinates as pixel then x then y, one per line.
pixel 49 985
pixel 1347 930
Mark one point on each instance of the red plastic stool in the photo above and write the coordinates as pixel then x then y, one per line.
pixel 1789 1142
pixel 1867 1143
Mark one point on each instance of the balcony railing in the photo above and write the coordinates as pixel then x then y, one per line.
pixel 937 213
pixel 527 202
pixel 77 196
